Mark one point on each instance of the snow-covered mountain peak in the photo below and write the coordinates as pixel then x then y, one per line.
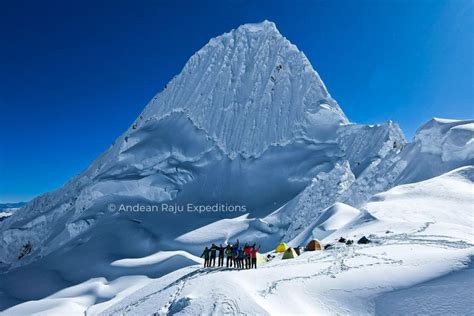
pixel 265 26
pixel 248 89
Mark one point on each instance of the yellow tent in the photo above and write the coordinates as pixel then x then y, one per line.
pixel 281 247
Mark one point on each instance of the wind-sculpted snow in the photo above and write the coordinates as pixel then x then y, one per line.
pixel 366 149
pixel 325 189
pixel 366 145
pixel 377 160
pixel 452 140
pixel 248 89
pixel 439 146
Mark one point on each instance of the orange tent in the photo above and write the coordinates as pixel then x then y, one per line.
pixel 314 245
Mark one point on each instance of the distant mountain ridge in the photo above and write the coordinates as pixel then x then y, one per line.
pixel 14 205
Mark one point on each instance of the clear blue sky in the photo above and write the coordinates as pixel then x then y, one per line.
pixel 75 74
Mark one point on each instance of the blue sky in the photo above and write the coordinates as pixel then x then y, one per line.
pixel 74 75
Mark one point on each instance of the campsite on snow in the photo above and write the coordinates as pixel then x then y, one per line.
pixel 303 212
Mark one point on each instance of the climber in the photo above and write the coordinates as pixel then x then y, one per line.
pixel 220 261
pixel 236 258
pixel 254 256
pixel 213 251
pixel 237 244
pixel 241 258
pixel 235 254
pixel 228 253
pixel 248 255
pixel 205 255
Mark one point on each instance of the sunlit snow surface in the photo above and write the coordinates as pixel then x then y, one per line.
pixel 344 279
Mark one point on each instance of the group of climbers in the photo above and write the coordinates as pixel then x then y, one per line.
pixel 246 257
pixel 237 256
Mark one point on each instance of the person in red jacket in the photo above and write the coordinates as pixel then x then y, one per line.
pixel 248 255
pixel 254 256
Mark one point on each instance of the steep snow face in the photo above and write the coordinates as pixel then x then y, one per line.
pixel 377 160
pixel 364 146
pixel 248 89
pixel 325 189
pixel 439 146
pixel 365 151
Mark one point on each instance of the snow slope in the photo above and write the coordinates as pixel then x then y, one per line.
pixel 447 295
pixel 344 279
pixel 341 280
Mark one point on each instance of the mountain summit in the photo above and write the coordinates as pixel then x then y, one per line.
pixel 247 89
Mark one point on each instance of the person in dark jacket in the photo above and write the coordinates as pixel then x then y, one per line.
pixel 220 261
pixel 241 258
pixel 235 254
pixel 254 256
pixel 212 259
pixel 229 251
pixel 205 255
